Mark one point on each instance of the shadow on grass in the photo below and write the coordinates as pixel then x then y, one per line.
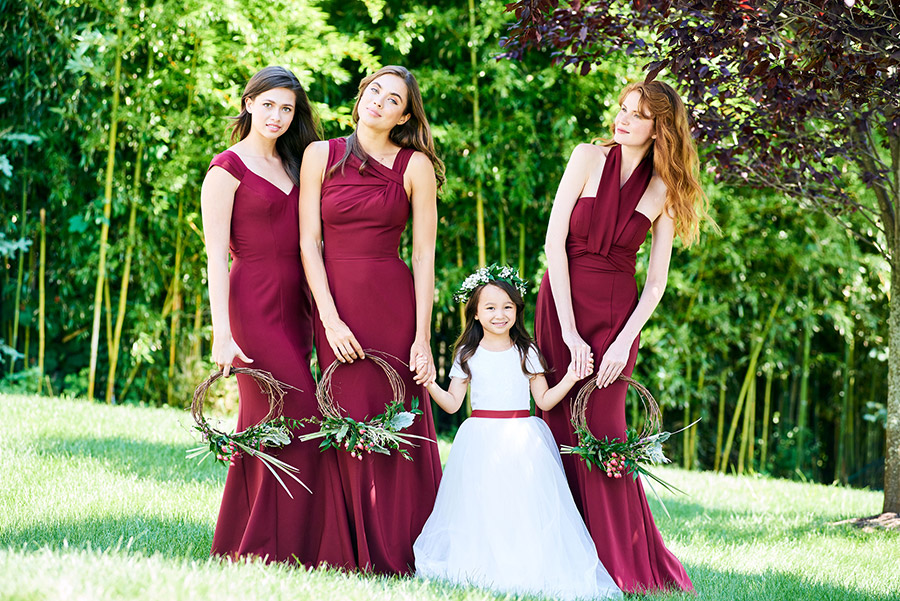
pixel 771 585
pixel 174 538
pixel 716 525
pixel 159 461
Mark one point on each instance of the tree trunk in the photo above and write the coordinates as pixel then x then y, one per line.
pixel 107 207
pixel 892 430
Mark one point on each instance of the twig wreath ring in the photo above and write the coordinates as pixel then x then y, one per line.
pixel 273 431
pixel 381 434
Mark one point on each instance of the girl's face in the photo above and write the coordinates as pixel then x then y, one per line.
pixel 272 112
pixel 496 312
pixel 633 127
pixel 383 103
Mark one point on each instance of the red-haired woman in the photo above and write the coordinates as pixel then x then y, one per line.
pixel 356 196
pixel 262 316
pixel 588 306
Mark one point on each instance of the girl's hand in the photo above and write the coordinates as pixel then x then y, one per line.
pixel 421 362
pixel 224 351
pixel 614 360
pixel 581 354
pixel 342 342
pixel 572 372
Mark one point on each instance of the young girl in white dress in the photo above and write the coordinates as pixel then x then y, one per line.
pixel 504 517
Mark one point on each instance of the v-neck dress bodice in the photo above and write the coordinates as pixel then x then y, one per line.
pixel 270 313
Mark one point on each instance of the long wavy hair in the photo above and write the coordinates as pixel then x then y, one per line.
pixel 468 341
pixel 304 127
pixel 674 155
pixel 414 133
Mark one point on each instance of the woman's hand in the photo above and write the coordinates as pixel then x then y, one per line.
pixel 421 362
pixel 614 360
pixel 580 352
pixel 224 352
pixel 342 341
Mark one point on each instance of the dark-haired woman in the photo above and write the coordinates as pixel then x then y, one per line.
pixel 588 307
pixel 356 195
pixel 262 316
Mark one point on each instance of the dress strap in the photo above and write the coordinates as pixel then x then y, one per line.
pixel 402 159
pixel 230 162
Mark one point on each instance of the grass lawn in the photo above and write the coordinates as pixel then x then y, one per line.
pixel 99 503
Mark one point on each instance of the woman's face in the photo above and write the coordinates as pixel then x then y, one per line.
pixel 633 127
pixel 383 103
pixel 272 111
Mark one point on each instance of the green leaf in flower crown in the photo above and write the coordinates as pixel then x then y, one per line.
pixel 401 420
pixel 342 433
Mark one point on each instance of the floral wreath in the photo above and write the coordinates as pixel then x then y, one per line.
pixel 381 434
pixel 489 274
pixel 618 457
pixel 272 432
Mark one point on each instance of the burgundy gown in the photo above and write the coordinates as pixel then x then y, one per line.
pixel 605 233
pixel 270 312
pixel 386 498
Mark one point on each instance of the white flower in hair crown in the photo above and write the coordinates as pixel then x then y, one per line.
pixel 488 274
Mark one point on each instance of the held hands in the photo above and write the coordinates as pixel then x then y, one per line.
pixel 224 352
pixel 421 362
pixel 582 357
pixel 571 375
pixel 614 360
pixel 342 341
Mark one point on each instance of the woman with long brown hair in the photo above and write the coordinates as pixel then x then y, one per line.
pixel 588 307
pixel 262 317
pixel 356 196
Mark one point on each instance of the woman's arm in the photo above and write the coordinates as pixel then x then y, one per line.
pixel 582 162
pixel 341 340
pixel 449 400
pixel 424 232
pixel 616 356
pixel 216 204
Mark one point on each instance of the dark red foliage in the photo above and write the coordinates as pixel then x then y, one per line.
pixel 783 94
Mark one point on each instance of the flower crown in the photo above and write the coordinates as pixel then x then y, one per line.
pixel 488 274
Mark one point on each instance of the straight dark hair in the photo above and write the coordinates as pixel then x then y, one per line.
pixel 304 128
pixel 468 341
pixel 414 133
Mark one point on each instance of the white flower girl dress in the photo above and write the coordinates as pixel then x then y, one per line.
pixel 504 517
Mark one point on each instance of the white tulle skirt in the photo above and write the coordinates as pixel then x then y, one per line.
pixel 505 519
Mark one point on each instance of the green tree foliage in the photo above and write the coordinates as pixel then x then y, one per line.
pixel 183 65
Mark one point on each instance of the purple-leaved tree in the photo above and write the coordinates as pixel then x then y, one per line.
pixel 801 96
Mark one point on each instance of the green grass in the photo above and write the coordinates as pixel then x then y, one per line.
pixel 99 503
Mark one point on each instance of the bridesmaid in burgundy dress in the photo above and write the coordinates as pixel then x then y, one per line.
pixel 588 305
pixel 262 318
pixel 356 196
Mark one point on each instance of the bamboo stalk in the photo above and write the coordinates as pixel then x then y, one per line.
pixel 126 276
pixel 14 338
pixel 845 423
pixel 107 204
pixel 751 371
pixel 476 135
pixel 686 455
pixel 767 404
pixel 522 207
pixel 42 295
pixel 176 307
pixel 803 401
pixel 745 432
pixel 751 422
